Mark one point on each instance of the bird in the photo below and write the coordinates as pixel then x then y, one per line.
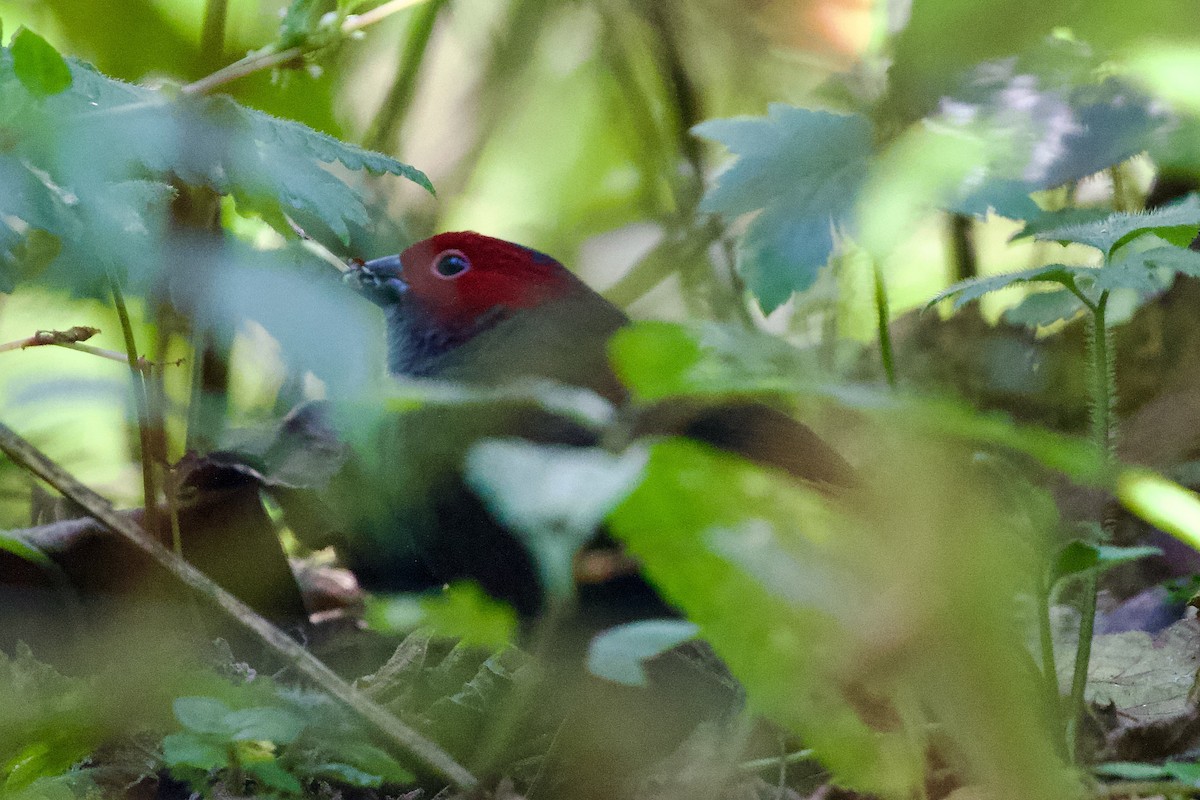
pixel 485 312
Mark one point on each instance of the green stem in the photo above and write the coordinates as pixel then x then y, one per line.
pixel 149 490
pixel 1046 643
pixel 212 35
pixel 885 337
pixel 1103 432
pixel 1120 201
pixel 267 59
pixel 396 105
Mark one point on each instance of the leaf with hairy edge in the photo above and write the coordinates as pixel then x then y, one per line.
pixel 1045 308
pixel 966 291
pixel 801 171
pixel 1177 222
pixel 71 169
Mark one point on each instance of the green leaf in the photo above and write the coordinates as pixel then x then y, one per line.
pixel 275 776
pixel 22 549
pixel 774 649
pixel 617 653
pixel 1040 309
pixel 1176 222
pixel 552 496
pixel 202 714
pixel 1063 218
pixel 801 171
pixel 263 724
pixel 1079 556
pixel 189 750
pixel 1163 503
pixel 463 611
pixel 1131 770
pixel 347 774
pixel 359 761
pixel 1184 771
pixel 38 65
pixel 966 291
pixel 658 360
pixel 93 165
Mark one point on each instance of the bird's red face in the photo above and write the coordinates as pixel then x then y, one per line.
pixel 457 278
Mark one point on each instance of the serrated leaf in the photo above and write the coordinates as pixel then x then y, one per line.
pixel 1040 309
pixel 92 165
pixel 1115 230
pixel 972 289
pixel 1064 218
pixel 617 653
pixel 801 170
pixel 263 723
pixel 202 714
pixel 189 750
pixel 38 65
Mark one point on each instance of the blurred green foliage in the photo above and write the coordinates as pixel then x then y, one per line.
pixel 878 630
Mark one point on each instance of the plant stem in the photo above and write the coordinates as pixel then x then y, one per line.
pixel 1046 643
pixel 143 412
pixel 266 59
pixel 426 752
pixel 1103 435
pixel 885 337
pixel 394 110
pixel 212 35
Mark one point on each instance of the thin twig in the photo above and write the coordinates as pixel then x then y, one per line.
pixel 143 412
pixel 73 335
pixel 268 59
pixel 73 338
pixel 425 751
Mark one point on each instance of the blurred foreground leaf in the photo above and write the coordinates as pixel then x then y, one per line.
pixel 93 165
pixel 861 623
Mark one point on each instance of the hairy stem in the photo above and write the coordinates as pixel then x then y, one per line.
pixel 1103 433
pixel 426 752
pixel 146 447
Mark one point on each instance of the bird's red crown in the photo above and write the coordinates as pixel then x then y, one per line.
pixel 459 276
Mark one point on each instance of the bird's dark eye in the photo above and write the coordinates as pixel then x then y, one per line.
pixel 451 264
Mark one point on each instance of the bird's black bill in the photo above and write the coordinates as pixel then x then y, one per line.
pixel 379 280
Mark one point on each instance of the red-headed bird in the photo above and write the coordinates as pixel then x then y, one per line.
pixel 474 309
